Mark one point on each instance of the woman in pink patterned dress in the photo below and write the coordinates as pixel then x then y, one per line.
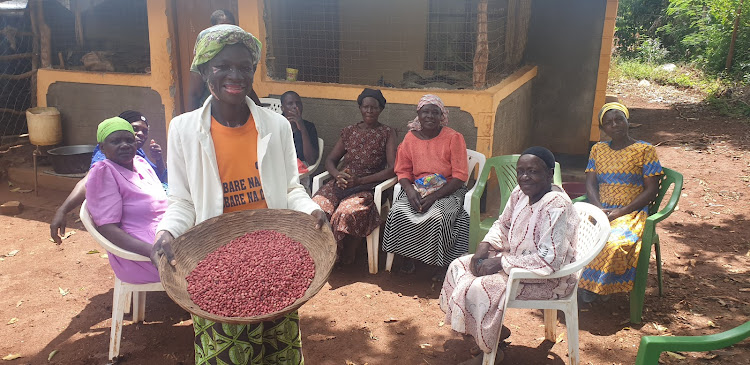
pixel 368 149
pixel 536 231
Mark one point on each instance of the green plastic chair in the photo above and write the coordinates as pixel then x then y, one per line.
pixel 651 347
pixel 505 169
pixel 651 238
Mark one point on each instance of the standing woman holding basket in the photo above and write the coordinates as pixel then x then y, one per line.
pixel 231 155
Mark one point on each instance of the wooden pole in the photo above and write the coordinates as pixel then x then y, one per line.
pixel 78 23
pixel 730 55
pixel 481 56
pixel 35 49
pixel 45 36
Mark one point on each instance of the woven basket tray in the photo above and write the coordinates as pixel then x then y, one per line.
pixel 206 237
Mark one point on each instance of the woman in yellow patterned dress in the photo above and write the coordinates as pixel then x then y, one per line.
pixel 622 178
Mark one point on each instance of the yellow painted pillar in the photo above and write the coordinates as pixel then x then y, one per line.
pixel 605 57
pixel 162 48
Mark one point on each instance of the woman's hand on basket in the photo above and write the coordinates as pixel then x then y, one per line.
pixel 320 218
pixel 163 246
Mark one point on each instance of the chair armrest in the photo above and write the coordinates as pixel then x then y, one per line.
pixel 518 273
pixel 469 199
pixel 475 196
pixel 667 210
pixel 579 199
pixel 380 188
pixel 652 346
pixel 110 247
pixel 319 180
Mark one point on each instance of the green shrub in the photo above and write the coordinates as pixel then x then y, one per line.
pixel 730 107
pixel 686 76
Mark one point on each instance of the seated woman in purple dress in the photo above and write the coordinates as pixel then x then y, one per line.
pixel 125 199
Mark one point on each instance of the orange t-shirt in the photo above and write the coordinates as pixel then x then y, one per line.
pixel 237 156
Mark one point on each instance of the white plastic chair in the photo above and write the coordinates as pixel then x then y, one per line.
pixel 476 163
pixel 593 232
pixel 313 167
pixel 123 291
pixel 273 104
pixel 373 239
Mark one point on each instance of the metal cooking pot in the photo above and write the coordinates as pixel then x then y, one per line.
pixel 74 159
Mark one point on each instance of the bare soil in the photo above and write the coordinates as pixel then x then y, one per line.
pixel 395 319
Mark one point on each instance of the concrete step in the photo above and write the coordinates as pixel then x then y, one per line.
pixel 573 167
pixel 24 177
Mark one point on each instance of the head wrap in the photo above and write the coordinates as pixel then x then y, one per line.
pixel 543 153
pixel 212 40
pixel 415 125
pixel 372 93
pixel 133 116
pixel 111 125
pixel 614 105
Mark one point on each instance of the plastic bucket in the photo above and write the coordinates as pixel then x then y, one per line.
pixel 45 128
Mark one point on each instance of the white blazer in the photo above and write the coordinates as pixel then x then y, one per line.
pixel 195 192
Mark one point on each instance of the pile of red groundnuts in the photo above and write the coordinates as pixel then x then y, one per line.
pixel 259 273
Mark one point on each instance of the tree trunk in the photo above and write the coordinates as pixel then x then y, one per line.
pixel 730 55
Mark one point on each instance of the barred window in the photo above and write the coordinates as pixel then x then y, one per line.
pixel 404 44
pixel 99 35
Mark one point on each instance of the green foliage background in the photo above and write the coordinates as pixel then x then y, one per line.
pixel 696 32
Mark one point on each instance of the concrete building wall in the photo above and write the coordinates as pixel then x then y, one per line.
pixel 513 122
pixel 83 106
pixel 564 42
pixel 330 116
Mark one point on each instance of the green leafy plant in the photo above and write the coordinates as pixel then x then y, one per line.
pixel 651 51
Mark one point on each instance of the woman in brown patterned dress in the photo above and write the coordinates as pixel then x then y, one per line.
pixel 368 149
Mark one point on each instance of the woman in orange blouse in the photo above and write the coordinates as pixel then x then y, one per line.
pixel 428 221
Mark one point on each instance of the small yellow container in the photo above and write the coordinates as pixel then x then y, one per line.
pixel 291 74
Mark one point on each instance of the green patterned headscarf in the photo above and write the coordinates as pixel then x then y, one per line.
pixel 111 125
pixel 212 40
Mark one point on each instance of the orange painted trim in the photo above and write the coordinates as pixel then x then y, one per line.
pixel 48 76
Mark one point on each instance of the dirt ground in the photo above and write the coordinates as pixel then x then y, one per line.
pixel 58 298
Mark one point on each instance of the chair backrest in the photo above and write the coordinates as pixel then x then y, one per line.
pixel 593 232
pixel 105 243
pixel 476 162
pixel 475 158
pixel 321 144
pixel 670 177
pixel 505 169
pixel 311 169
pixel 273 104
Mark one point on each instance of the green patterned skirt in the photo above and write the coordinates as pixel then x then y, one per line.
pixel 276 342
